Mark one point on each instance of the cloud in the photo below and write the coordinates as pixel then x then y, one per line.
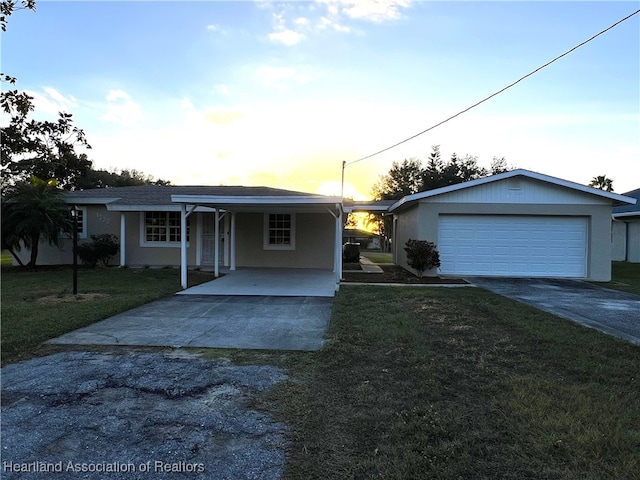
pixel 222 89
pixel 280 77
pixel 223 116
pixel 51 101
pixel 120 109
pixel 286 37
pixel 376 11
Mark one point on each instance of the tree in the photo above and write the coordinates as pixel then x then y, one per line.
pixel 499 165
pixel 39 147
pixel 602 182
pixel 409 177
pixel 9 6
pixel 31 212
pixel 123 178
pixel 439 174
pixel 403 179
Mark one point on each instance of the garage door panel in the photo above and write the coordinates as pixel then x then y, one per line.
pixel 513 245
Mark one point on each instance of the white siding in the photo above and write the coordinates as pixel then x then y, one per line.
pixel 517 190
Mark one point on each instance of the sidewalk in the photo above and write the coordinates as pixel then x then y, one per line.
pixel 368 266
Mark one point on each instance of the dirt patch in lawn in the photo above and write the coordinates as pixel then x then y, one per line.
pixel 397 274
pixel 70 297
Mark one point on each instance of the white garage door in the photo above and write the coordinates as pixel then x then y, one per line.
pixel 536 246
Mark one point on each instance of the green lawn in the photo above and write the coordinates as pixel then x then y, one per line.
pixel 413 383
pixel 459 384
pixel 33 309
pixel 625 276
pixel 5 258
pixel 378 257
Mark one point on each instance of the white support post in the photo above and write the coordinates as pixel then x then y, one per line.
pixel 216 249
pixel 183 245
pixel 232 242
pixel 338 248
pixel 123 240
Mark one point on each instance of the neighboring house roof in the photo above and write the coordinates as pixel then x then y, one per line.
pixel 409 199
pixel 628 210
pixel 356 232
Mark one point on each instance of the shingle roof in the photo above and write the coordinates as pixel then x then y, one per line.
pixel 629 208
pixel 161 194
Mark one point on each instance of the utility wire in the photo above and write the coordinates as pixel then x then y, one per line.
pixel 494 94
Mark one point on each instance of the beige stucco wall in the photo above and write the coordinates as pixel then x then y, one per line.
pixel 315 239
pixel 426 215
pixel 633 241
pixel 618 241
pixel 98 221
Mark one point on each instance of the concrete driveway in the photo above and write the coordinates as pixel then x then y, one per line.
pixel 610 311
pixel 214 321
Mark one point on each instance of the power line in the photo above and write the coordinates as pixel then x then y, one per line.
pixel 494 94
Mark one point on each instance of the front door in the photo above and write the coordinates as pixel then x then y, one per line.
pixel 208 238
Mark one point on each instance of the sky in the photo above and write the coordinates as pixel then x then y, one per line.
pixel 281 93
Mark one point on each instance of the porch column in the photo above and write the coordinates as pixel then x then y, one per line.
pixel 232 242
pixel 216 248
pixel 183 245
pixel 338 246
pixel 123 240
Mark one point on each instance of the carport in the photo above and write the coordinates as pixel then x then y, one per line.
pixel 274 282
pixel 297 231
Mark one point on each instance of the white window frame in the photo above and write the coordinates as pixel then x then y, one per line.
pixel 82 233
pixel 266 233
pixel 164 243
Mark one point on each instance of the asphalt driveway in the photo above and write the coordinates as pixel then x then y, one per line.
pixel 137 416
pixel 610 311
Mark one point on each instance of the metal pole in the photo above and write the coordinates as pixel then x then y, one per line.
pixel 344 164
pixel 74 214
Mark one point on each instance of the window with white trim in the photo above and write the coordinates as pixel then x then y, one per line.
pixel 162 228
pixel 279 231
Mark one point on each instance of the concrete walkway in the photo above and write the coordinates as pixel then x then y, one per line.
pixel 280 282
pixel 214 321
pixel 610 311
pixel 368 266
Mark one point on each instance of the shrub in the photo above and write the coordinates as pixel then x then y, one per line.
pixel 100 249
pixel 422 255
pixel 351 252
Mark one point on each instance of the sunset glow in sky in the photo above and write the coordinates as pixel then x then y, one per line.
pixel 280 93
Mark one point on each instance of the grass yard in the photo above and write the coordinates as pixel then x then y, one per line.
pixel 459 384
pixel 37 305
pixel 378 257
pixel 413 383
pixel 625 276
pixel 5 258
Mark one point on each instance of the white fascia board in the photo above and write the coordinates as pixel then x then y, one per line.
pixel 626 214
pixel 89 200
pixel 513 173
pixel 254 200
pixel 144 208
pixel 379 208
